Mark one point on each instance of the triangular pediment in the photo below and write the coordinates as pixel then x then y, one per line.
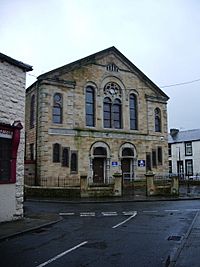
pixel 112 60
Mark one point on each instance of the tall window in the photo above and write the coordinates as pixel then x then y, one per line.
pixel 31 151
pixel 89 106
pixel 133 112
pixel 56 152
pixel 188 148
pixel 57 108
pixel 74 162
pixel 32 111
pixel 170 150
pixel 107 112
pixel 65 157
pixel 154 160
pixel 116 112
pixel 160 160
pixel 157 116
pixel 112 113
pixel 170 166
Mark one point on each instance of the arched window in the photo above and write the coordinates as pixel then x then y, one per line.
pixel 74 162
pixel 57 108
pixel 133 112
pixel 157 116
pixel 89 106
pixel 56 152
pixel 100 151
pixel 32 111
pixel 116 113
pixel 107 112
pixel 127 152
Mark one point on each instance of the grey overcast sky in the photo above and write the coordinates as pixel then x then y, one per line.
pixel 161 37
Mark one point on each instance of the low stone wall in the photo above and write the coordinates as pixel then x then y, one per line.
pixel 51 192
pixel 165 187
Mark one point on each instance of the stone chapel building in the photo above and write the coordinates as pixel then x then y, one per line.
pixel 95 117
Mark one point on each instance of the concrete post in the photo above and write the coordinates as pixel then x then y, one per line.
pixel 84 185
pixel 150 183
pixel 175 186
pixel 117 184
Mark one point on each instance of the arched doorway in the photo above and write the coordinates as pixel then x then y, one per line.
pixel 128 159
pixel 99 163
pixel 127 163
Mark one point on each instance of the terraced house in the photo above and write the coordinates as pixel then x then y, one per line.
pixel 94 118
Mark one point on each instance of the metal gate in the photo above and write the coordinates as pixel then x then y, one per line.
pixel 127 184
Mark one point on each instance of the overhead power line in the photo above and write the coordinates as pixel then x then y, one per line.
pixel 182 83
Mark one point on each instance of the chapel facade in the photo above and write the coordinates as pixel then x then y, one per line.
pixel 96 117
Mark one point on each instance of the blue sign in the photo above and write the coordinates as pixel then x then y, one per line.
pixel 114 163
pixel 141 163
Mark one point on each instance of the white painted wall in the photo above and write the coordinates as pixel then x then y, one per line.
pixel 12 107
pixel 175 148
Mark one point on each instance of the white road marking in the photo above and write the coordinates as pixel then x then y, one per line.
pixel 110 213
pixel 128 213
pixel 61 254
pixel 172 210
pixel 87 214
pixel 117 225
pixel 66 213
pixel 192 209
pixel 149 211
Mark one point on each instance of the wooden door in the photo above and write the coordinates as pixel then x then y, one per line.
pixel 98 170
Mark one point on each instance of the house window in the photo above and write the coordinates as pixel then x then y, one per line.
pixel 5 159
pixel 160 161
pixel 57 108
pixel 31 151
pixel 56 152
pixel 170 166
pixel 32 111
pixel 89 106
pixel 74 162
pixel 169 150
pixel 154 161
pixel 157 117
pixel 189 167
pixel 133 112
pixel 188 148
pixel 65 157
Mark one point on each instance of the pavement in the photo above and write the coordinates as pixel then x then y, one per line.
pixel 188 253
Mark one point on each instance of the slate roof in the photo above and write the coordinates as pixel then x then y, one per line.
pixel 15 62
pixel 185 136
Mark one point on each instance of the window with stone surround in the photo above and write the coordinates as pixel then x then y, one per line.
pixel 157 118
pixel 160 157
pixel 56 152
pixel 65 157
pixel 74 162
pixel 32 111
pixel 90 106
pixel 57 108
pixel 112 106
pixel 133 112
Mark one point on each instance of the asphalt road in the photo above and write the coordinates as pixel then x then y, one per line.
pixel 136 234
